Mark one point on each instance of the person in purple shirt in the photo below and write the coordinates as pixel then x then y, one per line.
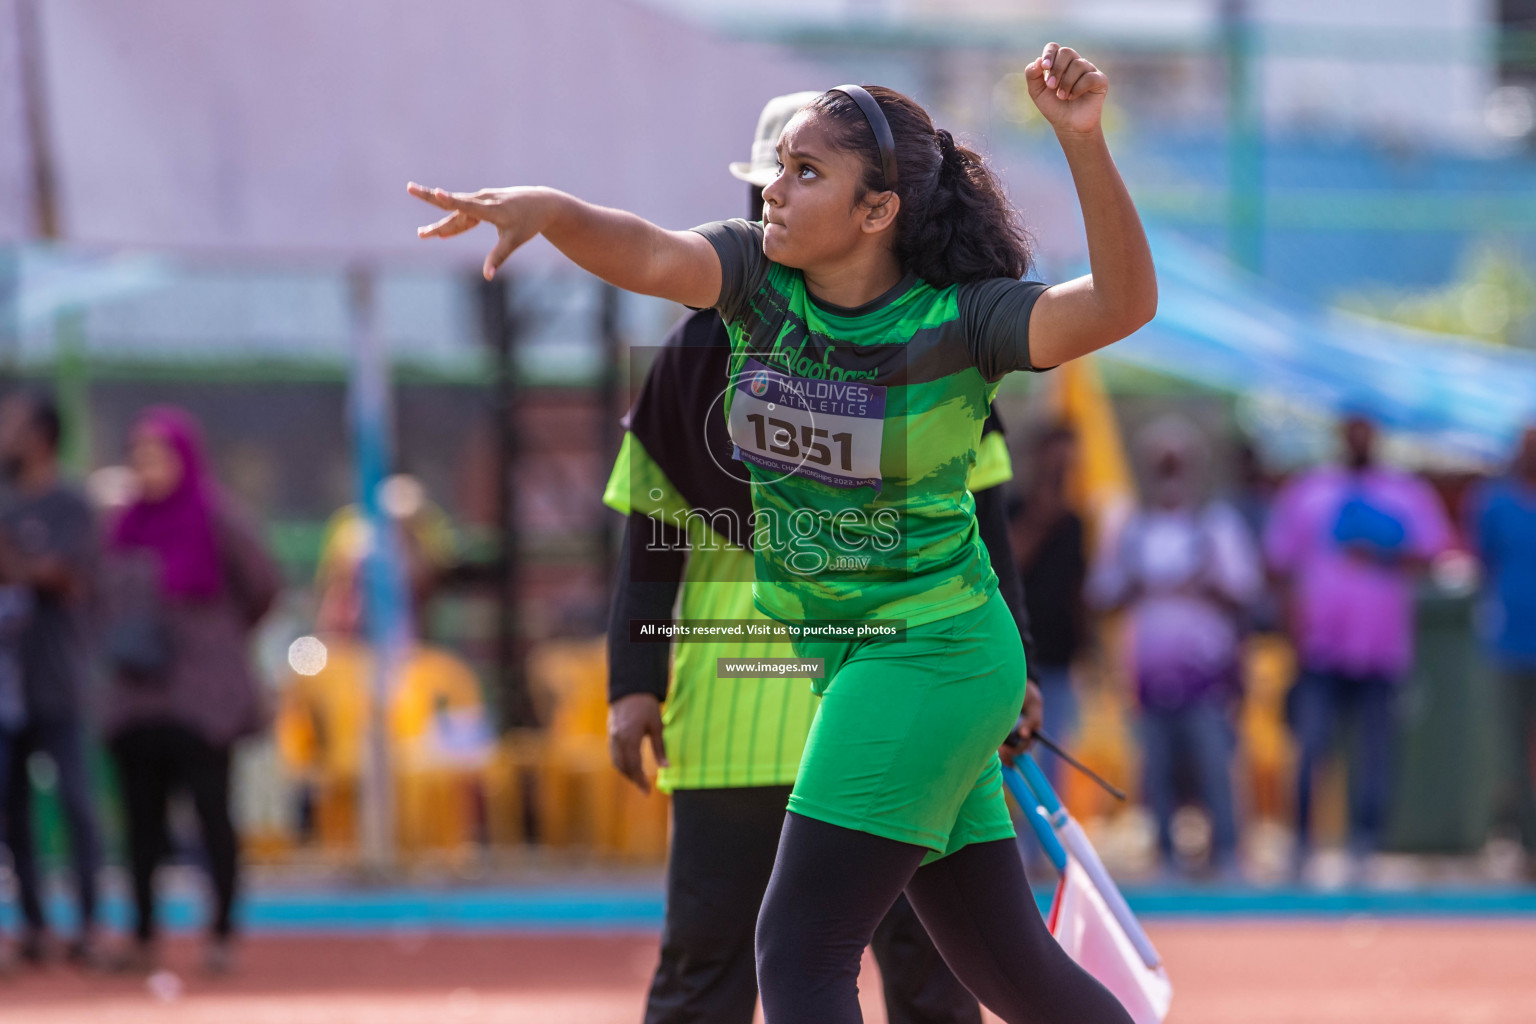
pixel 1347 540
pixel 1503 529
pixel 1187 569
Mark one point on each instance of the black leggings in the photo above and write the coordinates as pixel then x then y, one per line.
pixel 832 885
pixel 153 761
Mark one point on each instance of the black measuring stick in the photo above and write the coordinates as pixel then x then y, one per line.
pixel 1014 739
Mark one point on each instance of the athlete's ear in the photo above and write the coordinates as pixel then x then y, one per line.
pixel 880 213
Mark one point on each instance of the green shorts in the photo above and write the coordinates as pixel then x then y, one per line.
pixel 904 744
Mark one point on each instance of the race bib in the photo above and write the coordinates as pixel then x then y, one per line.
pixel 827 430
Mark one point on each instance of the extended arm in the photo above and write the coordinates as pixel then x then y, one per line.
pixel 644 587
pixel 1119 294
pixel 625 250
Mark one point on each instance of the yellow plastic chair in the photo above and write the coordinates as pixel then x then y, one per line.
pixel 583 801
pixel 1270 667
pixel 321 727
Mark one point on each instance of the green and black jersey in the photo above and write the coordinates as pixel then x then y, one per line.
pixel 860 429
pixel 719 732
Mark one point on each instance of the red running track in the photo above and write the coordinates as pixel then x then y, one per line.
pixel 1255 972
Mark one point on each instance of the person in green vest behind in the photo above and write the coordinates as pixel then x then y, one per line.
pixel 728 748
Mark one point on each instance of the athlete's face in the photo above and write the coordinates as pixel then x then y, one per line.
pixel 816 212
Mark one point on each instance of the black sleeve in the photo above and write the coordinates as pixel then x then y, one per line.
pixel 644 587
pixel 743 267
pixel 677 409
pixel 992 521
pixel 994 314
pixel 993 424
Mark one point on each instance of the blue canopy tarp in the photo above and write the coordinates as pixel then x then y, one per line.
pixel 1221 327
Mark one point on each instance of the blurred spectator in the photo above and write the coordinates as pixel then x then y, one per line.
pixel 1255 487
pixel 1503 523
pixel 50 532
pixel 1048 540
pixel 1186 568
pixel 191 581
pixel 1253 499
pixel 426 544
pixel 15 609
pixel 1346 540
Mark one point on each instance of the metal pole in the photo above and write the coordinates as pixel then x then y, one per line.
pixel 10 315
pixel 384 588
pixel 10 253
pixel 45 208
pixel 608 435
pixel 72 385
pixel 1245 140
pixel 500 329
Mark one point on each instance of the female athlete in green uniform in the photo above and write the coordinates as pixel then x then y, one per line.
pixel 872 314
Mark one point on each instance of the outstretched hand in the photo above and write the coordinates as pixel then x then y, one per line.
pixel 1068 90
pixel 515 213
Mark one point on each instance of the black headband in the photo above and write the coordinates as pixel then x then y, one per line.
pixel 877 124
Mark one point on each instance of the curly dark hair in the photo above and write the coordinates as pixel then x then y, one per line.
pixel 956 223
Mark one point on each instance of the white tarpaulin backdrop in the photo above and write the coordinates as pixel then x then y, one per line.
pixel 293 125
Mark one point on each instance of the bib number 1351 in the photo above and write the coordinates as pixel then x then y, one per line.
pixel 768 437
pixel 825 430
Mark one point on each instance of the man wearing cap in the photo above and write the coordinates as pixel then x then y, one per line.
pixel 729 748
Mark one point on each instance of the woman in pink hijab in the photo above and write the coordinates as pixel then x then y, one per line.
pixel 182 691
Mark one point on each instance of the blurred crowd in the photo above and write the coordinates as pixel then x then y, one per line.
pixel 164 591
pixel 1180 592
pixel 126 625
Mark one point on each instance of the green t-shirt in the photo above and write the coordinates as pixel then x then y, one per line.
pixel 860 429
pixel 722 733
